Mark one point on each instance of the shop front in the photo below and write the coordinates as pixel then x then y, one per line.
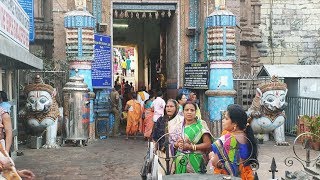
pixel 14 56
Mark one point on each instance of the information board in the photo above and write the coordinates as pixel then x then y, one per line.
pixel 27 6
pixel 101 65
pixel 196 75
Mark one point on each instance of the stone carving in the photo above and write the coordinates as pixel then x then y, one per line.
pixel 41 110
pixel 266 113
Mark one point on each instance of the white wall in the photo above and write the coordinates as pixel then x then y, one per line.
pixel 310 88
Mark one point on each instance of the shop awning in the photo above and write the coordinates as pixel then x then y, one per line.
pixel 15 56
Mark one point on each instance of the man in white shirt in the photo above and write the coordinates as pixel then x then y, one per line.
pixel 158 106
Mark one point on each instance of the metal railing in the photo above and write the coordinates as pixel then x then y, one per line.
pixel 299 106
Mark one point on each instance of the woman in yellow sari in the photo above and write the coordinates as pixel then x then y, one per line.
pixel 134 115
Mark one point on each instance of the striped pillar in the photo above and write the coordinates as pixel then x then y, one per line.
pixel 221 53
pixel 79 25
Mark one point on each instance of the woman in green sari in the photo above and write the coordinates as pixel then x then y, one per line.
pixel 195 144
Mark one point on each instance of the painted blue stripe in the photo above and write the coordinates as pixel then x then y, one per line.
pixel 79 42
pixel 224 41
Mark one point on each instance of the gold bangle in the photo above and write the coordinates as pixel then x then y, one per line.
pixel 195 147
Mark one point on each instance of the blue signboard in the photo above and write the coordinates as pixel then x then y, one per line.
pixel 101 65
pixel 27 6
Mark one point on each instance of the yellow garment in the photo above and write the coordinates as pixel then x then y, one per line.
pixel 141 94
pixel 198 112
pixel 123 65
pixel 133 117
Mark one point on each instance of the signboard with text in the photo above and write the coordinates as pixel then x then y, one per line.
pixel 27 6
pixel 102 64
pixel 196 75
pixel 14 23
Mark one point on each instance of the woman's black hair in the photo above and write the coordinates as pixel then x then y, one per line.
pixel 190 102
pixel 179 97
pixel 3 96
pixel 239 117
pixel 134 95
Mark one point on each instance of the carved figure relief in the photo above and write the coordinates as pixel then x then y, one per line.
pixel 41 111
pixel 266 113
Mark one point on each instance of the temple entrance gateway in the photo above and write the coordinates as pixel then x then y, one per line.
pixel 141 31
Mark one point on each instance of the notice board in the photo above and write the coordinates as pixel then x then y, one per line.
pixel 196 75
pixel 101 65
pixel 28 7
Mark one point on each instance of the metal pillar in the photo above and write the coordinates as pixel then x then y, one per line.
pixel 80 26
pixel 221 53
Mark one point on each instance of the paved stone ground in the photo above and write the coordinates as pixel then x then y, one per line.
pixel 116 158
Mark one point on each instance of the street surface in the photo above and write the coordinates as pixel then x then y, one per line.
pixel 116 158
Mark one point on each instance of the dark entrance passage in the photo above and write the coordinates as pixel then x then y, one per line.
pixel 147 31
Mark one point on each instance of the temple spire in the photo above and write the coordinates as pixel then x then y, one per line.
pixel 80 4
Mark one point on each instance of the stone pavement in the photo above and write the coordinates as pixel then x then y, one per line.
pixel 116 158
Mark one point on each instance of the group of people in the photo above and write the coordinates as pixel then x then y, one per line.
pixel 189 139
pixel 127 66
pixel 7 168
pixel 193 147
pixel 125 60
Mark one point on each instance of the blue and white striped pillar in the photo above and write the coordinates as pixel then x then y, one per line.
pixel 80 26
pixel 221 53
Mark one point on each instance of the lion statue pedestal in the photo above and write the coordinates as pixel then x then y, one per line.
pixel 266 113
pixel 41 111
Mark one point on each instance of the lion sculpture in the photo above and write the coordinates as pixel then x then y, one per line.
pixel 41 110
pixel 266 113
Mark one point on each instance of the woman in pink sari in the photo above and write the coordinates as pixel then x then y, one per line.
pixel 148 114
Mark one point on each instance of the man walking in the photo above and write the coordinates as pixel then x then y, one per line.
pixel 114 96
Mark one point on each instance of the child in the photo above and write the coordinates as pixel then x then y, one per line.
pixel 232 151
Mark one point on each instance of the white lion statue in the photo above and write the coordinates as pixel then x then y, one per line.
pixel 41 111
pixel 266 113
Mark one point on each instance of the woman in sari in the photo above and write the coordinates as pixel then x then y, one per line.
pixel 147 116
pixel 170 123
pixel 134 115
pixel 236 149
pixel 195 143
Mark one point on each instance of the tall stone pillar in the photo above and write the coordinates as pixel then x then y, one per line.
pixel 79 25
pixel 221 53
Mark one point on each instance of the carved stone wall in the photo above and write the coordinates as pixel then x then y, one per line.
pixel 248 32
pixel 290 32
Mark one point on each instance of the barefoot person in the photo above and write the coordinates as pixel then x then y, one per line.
pixel 134 115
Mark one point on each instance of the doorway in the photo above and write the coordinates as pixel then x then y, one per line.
pixel 147 29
